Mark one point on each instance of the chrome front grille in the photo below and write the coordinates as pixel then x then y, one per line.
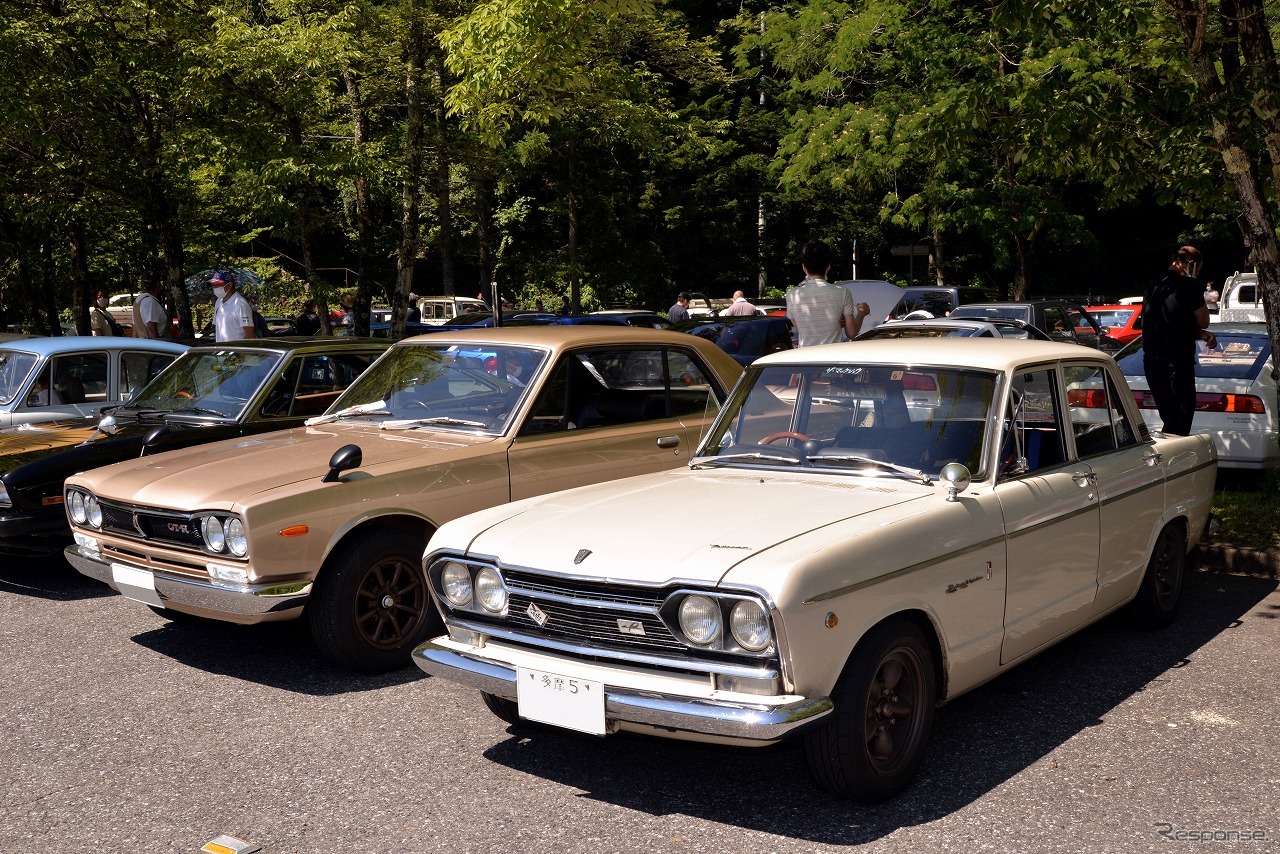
pixel 591 613
pixel 151 525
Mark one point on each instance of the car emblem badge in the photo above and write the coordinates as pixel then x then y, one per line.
pixel 581 555
pixel 137 526
pixel 631 627
pixel 537 614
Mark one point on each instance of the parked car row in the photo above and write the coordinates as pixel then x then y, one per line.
pixel 881 525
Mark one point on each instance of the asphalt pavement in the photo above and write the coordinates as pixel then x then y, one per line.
pixel 123 732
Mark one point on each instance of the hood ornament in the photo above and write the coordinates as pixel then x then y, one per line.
pixel 581 556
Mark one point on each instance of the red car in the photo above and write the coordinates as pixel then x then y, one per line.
pixel 1122 322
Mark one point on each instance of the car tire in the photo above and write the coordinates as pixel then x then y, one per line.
pixel 177 616
pixel 1160 593
pixel 507 710
pixel 875 740
pixel 371 606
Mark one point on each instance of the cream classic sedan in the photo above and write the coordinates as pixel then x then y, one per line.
pixel 329 520
pixel 880 527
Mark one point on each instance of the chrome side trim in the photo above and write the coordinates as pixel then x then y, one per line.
pixel 925 564
pixel 749 722
pixel 692 665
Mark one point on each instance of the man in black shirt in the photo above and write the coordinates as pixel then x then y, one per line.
pixel 1174 318
pixel 308 322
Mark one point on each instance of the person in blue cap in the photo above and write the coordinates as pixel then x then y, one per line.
pixel 232 314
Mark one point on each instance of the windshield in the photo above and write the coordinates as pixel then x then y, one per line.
pixel 465 387
pixel 15 366
pixel 1112 316
pixel 219 382
pixel 1237 357
pixel 1017 312
pixel 931 331
pixel 849 417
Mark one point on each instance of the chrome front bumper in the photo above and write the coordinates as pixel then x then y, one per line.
pixel 743 721
pixel 204 595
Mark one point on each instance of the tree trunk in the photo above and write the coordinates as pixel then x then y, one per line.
pixel 81 289
pixel 482 231
pixel 444 205
pixel 571 199
pixel 1250 23
pixel 364 211
pixel 410 227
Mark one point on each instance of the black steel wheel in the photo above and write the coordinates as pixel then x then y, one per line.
pixel 875 740
pixel 1160 593
pixel 371 605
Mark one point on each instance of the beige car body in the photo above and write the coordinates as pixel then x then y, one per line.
pixel 408 481
pixel 1012 565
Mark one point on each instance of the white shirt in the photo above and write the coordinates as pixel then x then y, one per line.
pixel 230 317
pixel 146 308
pixel 816 308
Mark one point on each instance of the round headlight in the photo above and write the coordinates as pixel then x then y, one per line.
pixel 489 590
pixel 237 542
pixel 700 619
pixel 75 503
pixel 214 536
pixel 93 511
pixel 456 581
pixel 749 626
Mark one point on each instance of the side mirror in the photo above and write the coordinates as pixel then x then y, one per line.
pixel 108 426
pixel 155 438
pixel 345 458
pixel 957 478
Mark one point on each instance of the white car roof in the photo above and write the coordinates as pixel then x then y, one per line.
pixel 996 354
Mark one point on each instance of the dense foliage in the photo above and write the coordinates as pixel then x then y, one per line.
pixel 607 152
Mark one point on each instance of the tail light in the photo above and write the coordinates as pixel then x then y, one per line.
pixel 1088 398
pixel 491 365
pixel 1244 404
pixel 1145 399
pixel 918 382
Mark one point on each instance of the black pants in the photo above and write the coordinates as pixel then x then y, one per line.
pixel 1174 388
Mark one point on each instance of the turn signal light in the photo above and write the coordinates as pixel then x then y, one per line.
pixel 295 531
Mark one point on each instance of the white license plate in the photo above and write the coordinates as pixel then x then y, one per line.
pixel 563 701
pixel 137 584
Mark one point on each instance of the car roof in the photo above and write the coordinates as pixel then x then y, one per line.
pixel 76 343
pixel 291 343
pixel 997 354
pixel 1024 302
pixel 1239 328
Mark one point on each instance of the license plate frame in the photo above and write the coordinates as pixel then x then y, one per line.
pixel 561 700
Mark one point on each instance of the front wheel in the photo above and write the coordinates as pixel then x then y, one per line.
pixel 884 707
pixel 505 709
pixel 371 606
pixel 1158 597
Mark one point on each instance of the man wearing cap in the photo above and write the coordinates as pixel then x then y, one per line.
pixel 150 320
pixel 232 314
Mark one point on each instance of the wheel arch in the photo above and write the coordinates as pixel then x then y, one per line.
pixel 923 621
pixel 359 529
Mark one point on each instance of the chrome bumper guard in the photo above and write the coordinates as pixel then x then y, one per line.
pixel 748 722
pixel 206 595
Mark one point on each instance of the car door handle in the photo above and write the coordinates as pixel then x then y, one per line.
pixel 1085 478
pixel 668 441
pixel 1152 458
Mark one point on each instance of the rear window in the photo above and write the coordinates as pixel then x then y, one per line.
pixel 1237 357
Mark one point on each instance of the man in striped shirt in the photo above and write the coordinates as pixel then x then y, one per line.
pixel 820 310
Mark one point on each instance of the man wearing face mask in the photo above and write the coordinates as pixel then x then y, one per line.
pixel 232 314
pixel 150 320
pixel 101 323
pixel 1174 318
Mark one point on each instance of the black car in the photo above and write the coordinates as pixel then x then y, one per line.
pixel 936 301
pixel 211 392
pixel 1062 320
pixel 744 338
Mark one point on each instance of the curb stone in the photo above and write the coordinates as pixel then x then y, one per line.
pixel 1263 563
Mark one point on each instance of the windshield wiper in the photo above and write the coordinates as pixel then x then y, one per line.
pixel 411 423
pixel 858 458
pixel 201 409
pixel 745 455
pixel 359 409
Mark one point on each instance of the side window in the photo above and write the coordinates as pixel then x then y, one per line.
pixel 1098 418
pixel 311 383
pixel 281 398
pixel 138 369
pixel 78 378
pixel 1032 431
pixel 690 388
pixel 1055 323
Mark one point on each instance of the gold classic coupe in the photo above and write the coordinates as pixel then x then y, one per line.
pixel 330 519
pixel 881 526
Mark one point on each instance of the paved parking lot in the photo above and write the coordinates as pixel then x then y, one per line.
pixel 122 732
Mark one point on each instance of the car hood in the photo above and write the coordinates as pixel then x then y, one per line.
pixel 44 436
pixel 687 525
pixel 221 474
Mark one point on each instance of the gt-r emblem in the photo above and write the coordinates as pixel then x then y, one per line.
pixel 537 614
pixel 631 627
pixel 581 555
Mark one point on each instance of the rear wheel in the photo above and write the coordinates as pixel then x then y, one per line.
pixel 884 707
pixel 371 606
pixel 1158 598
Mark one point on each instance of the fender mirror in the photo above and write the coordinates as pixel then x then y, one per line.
pixel 155 438
pixel 345 458
pixel 957 478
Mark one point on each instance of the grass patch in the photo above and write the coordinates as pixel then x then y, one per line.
pixel 1248 503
